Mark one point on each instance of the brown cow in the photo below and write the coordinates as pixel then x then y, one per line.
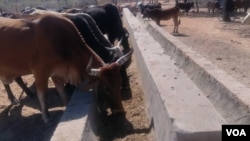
pixel 164 14
pixel 30 46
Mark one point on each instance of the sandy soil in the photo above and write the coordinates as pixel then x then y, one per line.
pixel 224 44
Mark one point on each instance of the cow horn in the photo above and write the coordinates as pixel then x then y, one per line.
pixel 115 50
pixel 119 43
pixel 95 72
pixel 124 58
pixel 88 67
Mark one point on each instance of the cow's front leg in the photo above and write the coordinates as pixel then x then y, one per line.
pixel 59 84
pixel 42 86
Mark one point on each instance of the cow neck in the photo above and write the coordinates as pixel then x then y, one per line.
pixel 97 61
pixel 87 51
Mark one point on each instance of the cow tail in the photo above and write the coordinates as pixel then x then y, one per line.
pixel 179 21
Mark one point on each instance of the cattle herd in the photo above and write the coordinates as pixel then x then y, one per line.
pixel 69 46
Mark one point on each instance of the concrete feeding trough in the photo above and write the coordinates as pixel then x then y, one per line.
pixel 187 97
pixel 76 122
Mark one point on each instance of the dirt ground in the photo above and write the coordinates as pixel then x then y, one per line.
pixel 224 44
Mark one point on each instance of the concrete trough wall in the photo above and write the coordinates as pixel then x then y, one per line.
pixel 230 97
pixel 188 98
pixel 76 122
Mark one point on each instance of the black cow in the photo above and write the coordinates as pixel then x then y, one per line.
pixel 89 30
pixel 93 36
pixel 185 6
pixel 95 39
pixel 143 7
pixel 108 19
pixel 72 10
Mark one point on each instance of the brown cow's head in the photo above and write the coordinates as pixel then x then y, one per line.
pixel 109 75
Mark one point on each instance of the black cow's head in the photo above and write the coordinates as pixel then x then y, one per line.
pixel 124 40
